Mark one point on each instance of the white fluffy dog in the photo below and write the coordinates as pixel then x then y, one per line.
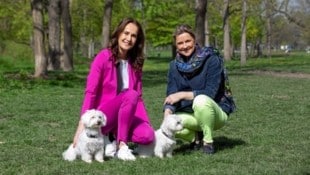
pixel 164 139
pixel 91 142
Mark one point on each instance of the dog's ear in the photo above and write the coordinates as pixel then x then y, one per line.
pixel 86 117
pixel 104 119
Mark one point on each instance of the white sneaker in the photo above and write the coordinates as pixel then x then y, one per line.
pixel 124 153
pixel 110 149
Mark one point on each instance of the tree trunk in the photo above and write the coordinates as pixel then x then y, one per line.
pixel 226 27
pixel 243 33
pixel 207 31
pixel 66 60
pixel 108 4
pixel 258 48
pixel 91 49
pixel 54 35
pixel 268 27
pixel 200 8
pixel 38 39
pixel 83 43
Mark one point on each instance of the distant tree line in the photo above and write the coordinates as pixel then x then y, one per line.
pixel 58 29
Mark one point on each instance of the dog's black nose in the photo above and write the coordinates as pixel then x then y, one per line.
pixel 99 123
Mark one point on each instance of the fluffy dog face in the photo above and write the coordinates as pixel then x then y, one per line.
pixel 164 138
pixel 94 119
pixel 173 123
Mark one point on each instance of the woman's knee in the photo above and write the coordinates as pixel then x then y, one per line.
pixel 202 101
pixel 189 121
pixel 144 136
pixel 147 137
pixel 131 95
pixel 186 135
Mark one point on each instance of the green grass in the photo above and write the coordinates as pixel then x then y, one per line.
pixel 268 134
pixel 295 62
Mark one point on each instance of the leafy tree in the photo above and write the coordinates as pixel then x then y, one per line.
pixel 215 21
pixel 254 34
pixel 200 9
pixel 292 26
pixel 86 23
pixel 15 21
pixel 268 18
pixel 161 18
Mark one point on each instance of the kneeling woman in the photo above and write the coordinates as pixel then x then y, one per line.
pixel 196 91
pixel 114 86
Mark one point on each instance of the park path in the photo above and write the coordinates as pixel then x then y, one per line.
pixel 282 74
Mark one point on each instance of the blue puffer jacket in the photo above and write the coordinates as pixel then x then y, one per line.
pixel 202 74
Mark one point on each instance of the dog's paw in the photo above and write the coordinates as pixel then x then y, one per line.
pixel 99 156
pixel 87 160
pixel 169 155
pixel 144 156
pixel 100 160
pixel 160 155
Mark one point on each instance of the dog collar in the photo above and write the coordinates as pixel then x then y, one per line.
pixel 91 135
pixel 165 134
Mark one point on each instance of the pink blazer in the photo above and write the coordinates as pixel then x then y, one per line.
pixel 101 84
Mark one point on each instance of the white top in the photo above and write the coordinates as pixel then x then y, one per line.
pixel 124 74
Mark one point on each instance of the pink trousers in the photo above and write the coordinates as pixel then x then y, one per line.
pixel 124 121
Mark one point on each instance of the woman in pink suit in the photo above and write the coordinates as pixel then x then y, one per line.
pixel 114 86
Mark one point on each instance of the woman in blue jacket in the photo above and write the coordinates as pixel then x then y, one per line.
pixel 196 90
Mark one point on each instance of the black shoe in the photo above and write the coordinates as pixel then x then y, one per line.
pixel 111 137
pixel 199 135
pixel 195 145
pixel 208 148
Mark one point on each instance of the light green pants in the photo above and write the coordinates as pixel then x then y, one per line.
pixel 207 117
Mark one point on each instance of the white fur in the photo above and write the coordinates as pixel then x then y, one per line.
pixel 110 147
pixel 90 144
pixel 164 139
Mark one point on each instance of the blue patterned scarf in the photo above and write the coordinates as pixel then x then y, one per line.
pixel 196 61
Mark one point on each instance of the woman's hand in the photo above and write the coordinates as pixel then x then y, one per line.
pixel 167 112
pixel 176 97
pixel 172 99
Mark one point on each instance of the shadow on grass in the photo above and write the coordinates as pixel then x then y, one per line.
pixel 220 143
pixel 24 79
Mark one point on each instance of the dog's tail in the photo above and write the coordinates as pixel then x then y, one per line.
pixel 110 147
pixel 69 154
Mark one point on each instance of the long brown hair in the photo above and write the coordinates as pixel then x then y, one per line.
pixel 135 54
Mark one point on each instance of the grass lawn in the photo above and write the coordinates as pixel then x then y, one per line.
pixel 268 134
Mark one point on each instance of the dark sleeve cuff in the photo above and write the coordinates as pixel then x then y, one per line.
pixel 171 107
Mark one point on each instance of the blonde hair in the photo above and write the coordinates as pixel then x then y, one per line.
pixel 183 28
